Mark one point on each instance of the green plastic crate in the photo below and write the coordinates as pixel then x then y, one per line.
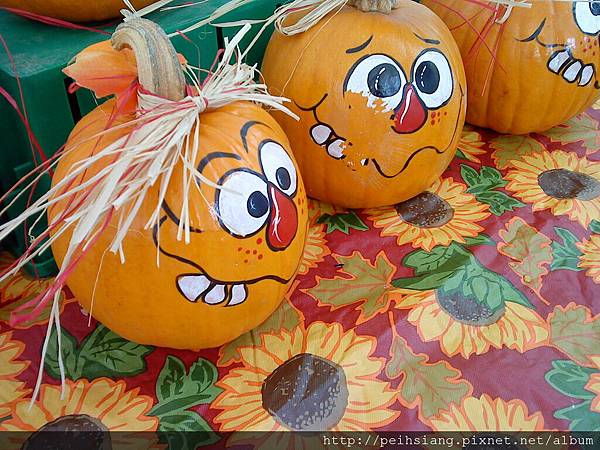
pixel 40 52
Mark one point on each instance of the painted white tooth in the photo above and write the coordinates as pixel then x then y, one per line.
pixel 364 162
pixel 586 75
pixel 572 72
pixel 336 148
pixel 238 294
pixel 320 133
pixel 216 295
pixel 192 286
pixel 558 60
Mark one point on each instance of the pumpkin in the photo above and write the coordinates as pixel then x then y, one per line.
pixel 247 231
pixel 73 10
pixel 381 99
pixel 528 69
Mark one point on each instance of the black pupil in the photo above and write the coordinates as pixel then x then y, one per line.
pixel 427 77
pixel 384 80
pixel 283 178
pixel 257 205
pixel 595 8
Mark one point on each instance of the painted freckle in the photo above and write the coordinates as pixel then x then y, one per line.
pixel 245 261
pixel 247 252
pixel 254 252
pixel 259 241
pixel 260 256
pixel 239 249
pixel 433 122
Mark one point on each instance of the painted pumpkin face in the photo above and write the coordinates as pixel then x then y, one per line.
pixel 532 72
pixel 246 239
pixel 381 100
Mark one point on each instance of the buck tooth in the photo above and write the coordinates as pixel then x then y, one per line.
pixel 558 60
pixel 586 75
pixel 320 133
pixel 216 295
pixel 192 286
pixel 572 71
pixel 238 294
pixel 336 149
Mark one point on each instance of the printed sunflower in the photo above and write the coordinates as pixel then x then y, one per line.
pixel 442 214
pixel 593 385
pixel 20 288
pixel 315 249
pixel 463 327
pixel 11 389
pixel 315 379
pixel 470 145
pixel 487 414
pixel 590 257
pixel 101 404
pixel 559 181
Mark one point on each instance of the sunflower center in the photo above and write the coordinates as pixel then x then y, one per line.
pixel 468 310
pixel 426 210
pixel 85 433
pixel 306 393
pixel 563 183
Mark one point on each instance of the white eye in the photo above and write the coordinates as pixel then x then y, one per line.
pixel 243 202
pixel 432 77
pixel 587 16
pixel 379 78
pixel 278 167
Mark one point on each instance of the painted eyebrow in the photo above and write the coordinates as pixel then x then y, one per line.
pixel 360 47
pixel 214 155
pixel 428 41
pixel 246 128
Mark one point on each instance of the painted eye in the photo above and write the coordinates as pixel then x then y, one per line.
pixel 242 202
pixel 587 16
pixel 278 167
pixel 379 78
pixel 432 77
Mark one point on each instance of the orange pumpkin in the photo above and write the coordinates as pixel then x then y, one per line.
pixel 75 11
pixel 381 99
pixel 528 69
pixel 247 236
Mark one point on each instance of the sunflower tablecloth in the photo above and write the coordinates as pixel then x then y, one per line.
pixel 474 306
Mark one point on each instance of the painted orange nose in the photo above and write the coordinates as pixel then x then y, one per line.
pixel 411 114
pixel 283 220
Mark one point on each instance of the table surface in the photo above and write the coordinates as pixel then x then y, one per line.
pixel 476 307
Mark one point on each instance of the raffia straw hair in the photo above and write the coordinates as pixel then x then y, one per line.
pixel 164 134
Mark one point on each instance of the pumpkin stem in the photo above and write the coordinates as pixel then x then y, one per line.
pixel 159 69
pixel 383 6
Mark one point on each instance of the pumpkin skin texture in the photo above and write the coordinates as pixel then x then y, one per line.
pixel 165 305
pixel 533 83
pixel 75 11
pixel 367 135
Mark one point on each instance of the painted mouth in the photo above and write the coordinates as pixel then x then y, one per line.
pixel 571 69
pixel 198 287
pixel 324 135
pixel 562 62
pixel 419 150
